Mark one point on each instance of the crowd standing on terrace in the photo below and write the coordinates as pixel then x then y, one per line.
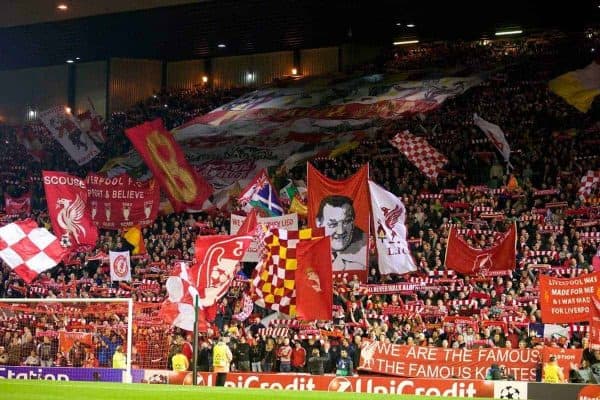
pixel 553 146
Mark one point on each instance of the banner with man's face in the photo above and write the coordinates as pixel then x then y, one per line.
pixel 342 209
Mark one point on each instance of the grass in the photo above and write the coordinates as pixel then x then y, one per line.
pixel 15 389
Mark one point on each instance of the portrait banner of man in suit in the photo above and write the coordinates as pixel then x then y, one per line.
pixel 342 209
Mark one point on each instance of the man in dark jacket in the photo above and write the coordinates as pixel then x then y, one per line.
pixel 344 365
pixel 204 357
pixel 256 355
pixel 242 355
pixel 316 363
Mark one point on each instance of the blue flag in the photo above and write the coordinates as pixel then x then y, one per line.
pixel 261 194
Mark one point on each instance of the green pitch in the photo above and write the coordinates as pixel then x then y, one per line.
pixel 50 390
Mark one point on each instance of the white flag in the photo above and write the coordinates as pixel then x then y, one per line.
pixel 66 131
pixel 120 266
pixel 389 216
pixel 494 135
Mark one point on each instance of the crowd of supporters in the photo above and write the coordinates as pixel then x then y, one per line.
pixel 552 144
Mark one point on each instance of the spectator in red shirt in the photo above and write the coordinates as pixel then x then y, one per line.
pixel 298 357
pixel 284 353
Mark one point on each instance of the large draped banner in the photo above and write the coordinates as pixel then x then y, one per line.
pixel 436 362
pixel 288 221
pixel 67 199
pixel 342 209
pixel 389 217
pixel 66 131
pixel 567 300
pixel 330 102
pixel 292 123
pixel 184 186
pixel 465 259
pixel 121 201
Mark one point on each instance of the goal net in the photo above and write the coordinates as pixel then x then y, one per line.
pixel 74 333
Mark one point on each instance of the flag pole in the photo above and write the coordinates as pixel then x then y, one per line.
pixel 195 356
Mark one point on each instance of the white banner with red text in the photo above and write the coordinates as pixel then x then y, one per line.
pixel 440 363
pixel 288 222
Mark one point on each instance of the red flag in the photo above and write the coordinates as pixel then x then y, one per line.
pixel 17 205
pixel 164 157
pixel 568 300
pixel 314 282
pixel 122 201
pixel 209 280
pixel 250 223
pixel 343 209
pixel 67 198
pixel 213 275
pixel 470 261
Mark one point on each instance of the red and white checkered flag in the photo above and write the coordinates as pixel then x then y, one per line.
pixel 29 250
pixel 589 182
pixel 419 152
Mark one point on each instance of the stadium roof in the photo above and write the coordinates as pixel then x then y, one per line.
pixel 35 32
pixel 28 12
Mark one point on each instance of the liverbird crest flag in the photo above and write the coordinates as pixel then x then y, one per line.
pixel 314 280
pixel 389 217
pixel 120 265
pixel 208 280
pixel 467 260
pixel 261 194
pixel 67 199
pixel 65 130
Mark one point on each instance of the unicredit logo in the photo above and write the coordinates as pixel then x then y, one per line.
pixel 254 381
pixel 340 384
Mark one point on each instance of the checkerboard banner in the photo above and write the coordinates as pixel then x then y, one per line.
pixel 273 285
pixel 589 182
pixel 29 250
pixel 420 153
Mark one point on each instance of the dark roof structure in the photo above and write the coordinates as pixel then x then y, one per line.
pixel 171 30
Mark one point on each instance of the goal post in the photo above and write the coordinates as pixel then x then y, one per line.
pixel 83 320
